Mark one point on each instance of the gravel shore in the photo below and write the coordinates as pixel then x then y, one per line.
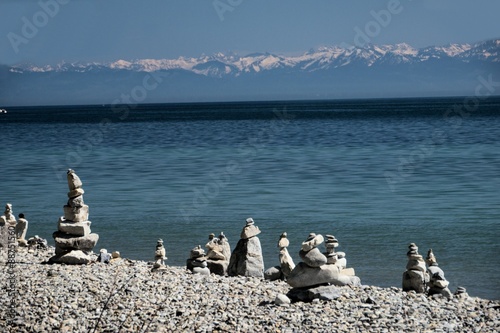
pixel 126 296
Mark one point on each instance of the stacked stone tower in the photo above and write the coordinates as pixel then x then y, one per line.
pixel 74 240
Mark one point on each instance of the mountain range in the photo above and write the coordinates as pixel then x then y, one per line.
pixel 370 71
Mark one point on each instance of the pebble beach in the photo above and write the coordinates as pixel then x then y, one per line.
pixel 127 296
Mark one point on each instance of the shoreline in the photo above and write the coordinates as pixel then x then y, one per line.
pixel 127 296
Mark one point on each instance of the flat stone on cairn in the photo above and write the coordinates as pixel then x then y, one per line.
pixel 315 271
pixel 246 259
pixel 74 239
pixel 437 282
pixel 415 277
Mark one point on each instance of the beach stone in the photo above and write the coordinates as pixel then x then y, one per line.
pixel 341 260
pixel 281 299
pixel 311 242
pixel 75 193
pixel 104 256
pixel 283 241
pixel 74 181
pixel 286 262
pixel 76 214
pixel 246 259
pixel 67 242
pixel 249 231
pixel 414 280
pixel 21 230
pixel 201 270
pixel 273 273
pixel 327 293
pixel 313 257
pixel 74 228
pixel 218 267
pixel 305 276
pixel 76 257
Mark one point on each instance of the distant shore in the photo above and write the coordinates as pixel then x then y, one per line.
pixel 126 296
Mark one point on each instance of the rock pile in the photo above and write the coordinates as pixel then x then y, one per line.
pixel 74 240
pixel 437 282
pixel 197 262
pixel 160 256
pixel 415 277
pixel 8 220
pixel 246 259
pixel 218 254
pixel 318 274
pixel 286 262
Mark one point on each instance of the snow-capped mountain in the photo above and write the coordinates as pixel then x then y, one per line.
pixel 324 58
pixel 326 72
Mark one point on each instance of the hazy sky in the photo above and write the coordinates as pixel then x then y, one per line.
pixel 51 31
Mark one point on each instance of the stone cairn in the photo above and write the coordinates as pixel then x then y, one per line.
pixel 286 266
pixel 74 240
pixel 197 262
pixel 21 230
pixel 437 283
pixel 246 259
pixel 416 276
pixel 218 254
pixel 160 256
pixel 7 220
pixel 319 273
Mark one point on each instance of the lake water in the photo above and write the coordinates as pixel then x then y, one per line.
pixel 377 174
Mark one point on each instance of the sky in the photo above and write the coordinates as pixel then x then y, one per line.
pixel 47 32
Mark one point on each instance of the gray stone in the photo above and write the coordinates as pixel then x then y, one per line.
pixel 249 231
pixel 312 241
pixel 74 181
pixel 21 229
pixel 74 228
pixel 281 299
pixel 76 214
pixel 415 280
pixel 273 273
pixel 65 242
pixel 76 257
pixel 246 259
pixel 286 262
pixel 306 276
pixel 326 293
pixel 201 270
pixel 313 258
pixel 218 267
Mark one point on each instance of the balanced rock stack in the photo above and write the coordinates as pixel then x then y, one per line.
pixel 160 256
pixel 437 282
pixel 286 262
pixel 218 254
pixel 246 259
pixel 8 220
pixel 197 262
pixel 415 277
pixel 318 269
pixel 74 240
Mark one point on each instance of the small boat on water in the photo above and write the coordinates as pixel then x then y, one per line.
pixel 3 111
